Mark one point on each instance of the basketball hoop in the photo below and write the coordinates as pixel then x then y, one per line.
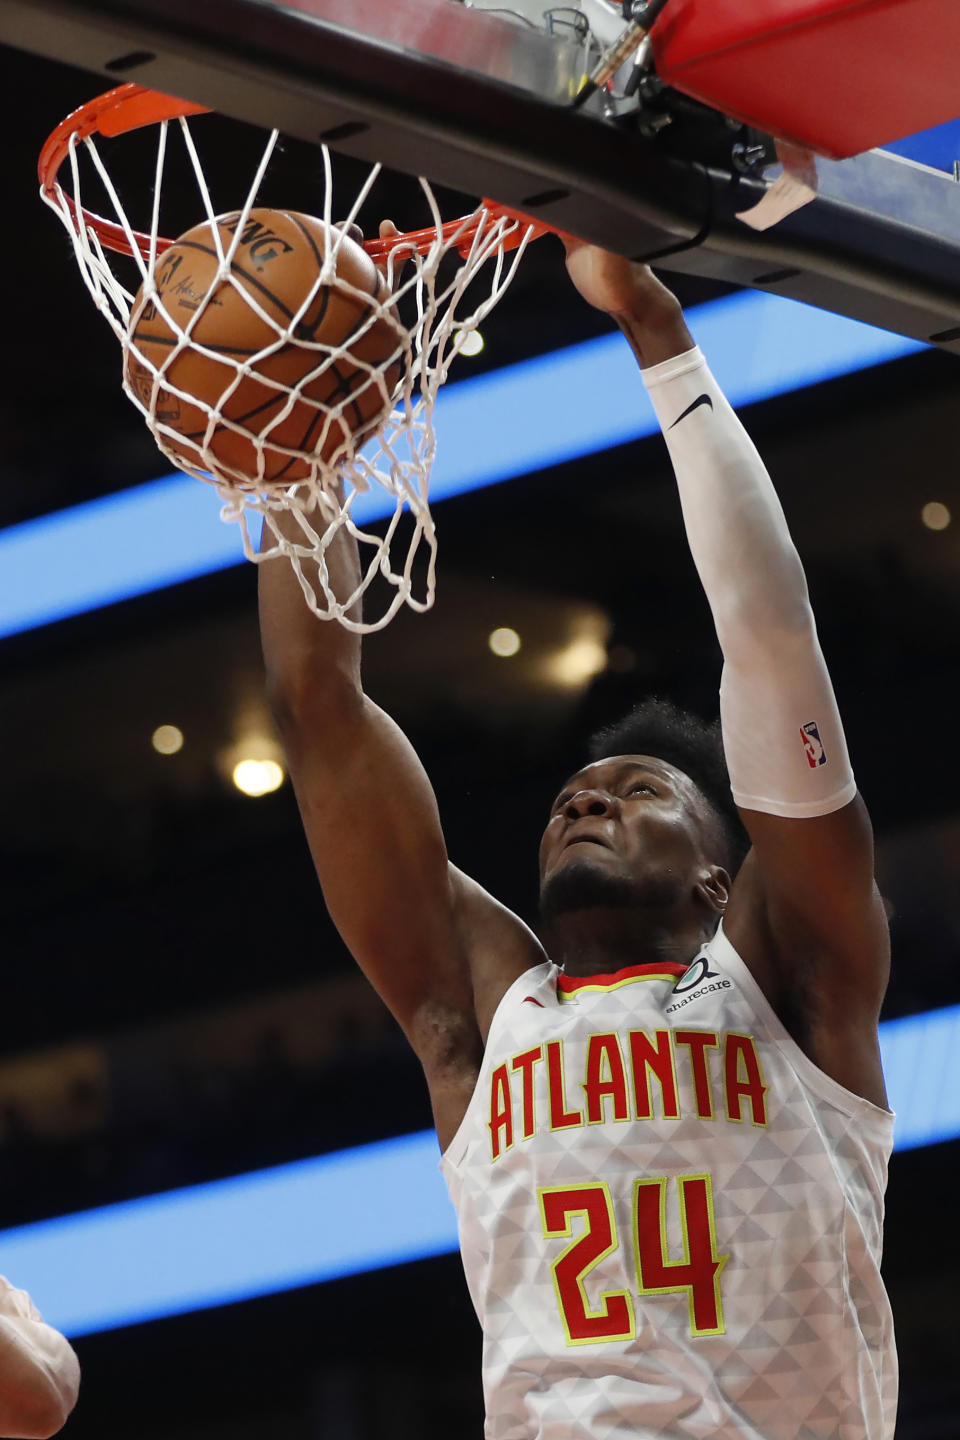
pixel 428 274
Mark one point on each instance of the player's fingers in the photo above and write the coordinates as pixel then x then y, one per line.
pixel 353 232
pixel 401 258
pixel 570 243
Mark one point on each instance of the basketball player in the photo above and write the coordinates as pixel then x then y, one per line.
pixel 39 1374
pixel 664 1129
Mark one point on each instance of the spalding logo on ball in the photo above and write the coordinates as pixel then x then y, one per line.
pixel 253 386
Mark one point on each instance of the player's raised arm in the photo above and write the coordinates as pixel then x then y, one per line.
pixel 39 1374
pixel 805 913
pixel 413 923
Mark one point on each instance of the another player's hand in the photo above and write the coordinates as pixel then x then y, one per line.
pixel 617 286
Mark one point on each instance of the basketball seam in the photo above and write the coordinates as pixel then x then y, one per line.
pixel 316 419
pixel 367 309
pixel 344 385
pixel 192 347
pixel 325 304
pixel 227 422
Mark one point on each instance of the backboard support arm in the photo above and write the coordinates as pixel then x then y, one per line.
pixel 483 105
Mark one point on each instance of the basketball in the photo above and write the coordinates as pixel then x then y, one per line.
pixel 257 346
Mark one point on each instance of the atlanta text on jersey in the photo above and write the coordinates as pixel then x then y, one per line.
pixel 616 1084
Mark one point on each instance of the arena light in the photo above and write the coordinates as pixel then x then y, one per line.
pixel 469 342
pixel 257 777
pixel 935 515
pixel 557 407
pixel 504 641
pixel 322 1219
pixel 577 662
pixel 167 739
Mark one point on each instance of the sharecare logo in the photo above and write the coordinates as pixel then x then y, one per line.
pixel 698 970
pixel 813 745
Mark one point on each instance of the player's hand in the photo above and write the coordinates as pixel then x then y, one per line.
pixel 387 231
pixel 401 259
pixel 353 231
pixel 617 286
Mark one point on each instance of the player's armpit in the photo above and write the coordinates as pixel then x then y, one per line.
pixel 451 1052
pixel 807 918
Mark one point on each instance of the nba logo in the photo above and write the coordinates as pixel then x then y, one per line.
pixel 813 745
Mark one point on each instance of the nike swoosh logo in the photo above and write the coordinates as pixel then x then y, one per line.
pixel 529 1000
pixel 700 400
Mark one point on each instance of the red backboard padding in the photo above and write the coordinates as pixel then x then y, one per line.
pixel 836 76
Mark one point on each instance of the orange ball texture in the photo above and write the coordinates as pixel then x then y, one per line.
pixel 276 264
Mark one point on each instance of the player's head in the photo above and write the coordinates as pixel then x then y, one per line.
pixel 649 823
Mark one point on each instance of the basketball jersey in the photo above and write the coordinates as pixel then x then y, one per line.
pixel 670 1218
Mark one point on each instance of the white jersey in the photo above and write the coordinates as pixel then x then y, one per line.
pixel 670 1218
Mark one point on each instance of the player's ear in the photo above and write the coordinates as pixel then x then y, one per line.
pixel 713 887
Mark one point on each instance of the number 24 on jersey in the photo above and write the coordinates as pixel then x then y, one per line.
pixel 611 1314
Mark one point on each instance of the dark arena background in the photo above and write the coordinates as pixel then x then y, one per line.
pixel 177 1008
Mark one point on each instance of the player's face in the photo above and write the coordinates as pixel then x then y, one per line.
pixel 630 826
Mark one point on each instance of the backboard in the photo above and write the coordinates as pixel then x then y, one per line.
pixel 481 100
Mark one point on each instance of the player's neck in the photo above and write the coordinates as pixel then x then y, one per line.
pixel 599 941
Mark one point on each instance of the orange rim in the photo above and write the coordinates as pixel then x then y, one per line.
pixel 130 107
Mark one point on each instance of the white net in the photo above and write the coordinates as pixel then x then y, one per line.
pixel 319 429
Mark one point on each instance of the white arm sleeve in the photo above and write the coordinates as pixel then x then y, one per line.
pixel 782 735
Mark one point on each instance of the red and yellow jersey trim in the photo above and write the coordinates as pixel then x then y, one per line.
pixel 569 986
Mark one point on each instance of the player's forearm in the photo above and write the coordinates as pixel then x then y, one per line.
pixel 39 1378
pixel 647 312
pixel 734 521
pixel 735 525
pixel 301 651
pixel 655 330
pixel 782 733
